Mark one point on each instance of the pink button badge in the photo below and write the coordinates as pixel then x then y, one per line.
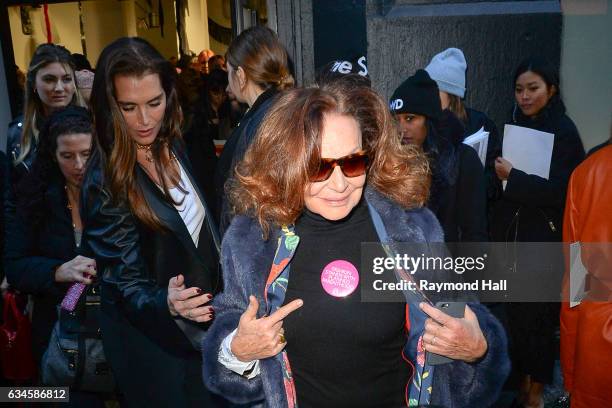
pixel 339 278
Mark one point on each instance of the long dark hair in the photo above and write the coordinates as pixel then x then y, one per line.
pixel 31 190
pixel 550 75
pixel 133 57
pixel 33 109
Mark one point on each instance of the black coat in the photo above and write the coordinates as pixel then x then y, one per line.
pixel 201 151
pixel 531 208
pixel 235 149
pixel 154 361
pixel 475 121
pixel 458 197
pixel 462 205
pixel 32 252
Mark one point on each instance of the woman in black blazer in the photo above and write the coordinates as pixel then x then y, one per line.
pixel 43 228
pixel 148 226
pixel 257 70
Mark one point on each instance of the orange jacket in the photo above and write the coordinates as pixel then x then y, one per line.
pixel 586 330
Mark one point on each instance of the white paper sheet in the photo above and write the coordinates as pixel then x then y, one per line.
pixel 479 142
pixel 528 150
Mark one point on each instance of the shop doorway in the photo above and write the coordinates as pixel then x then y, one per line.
pixel 174 27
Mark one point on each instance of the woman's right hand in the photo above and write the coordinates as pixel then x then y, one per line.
pixel 264 337
pixel 189 303
pixel 80 269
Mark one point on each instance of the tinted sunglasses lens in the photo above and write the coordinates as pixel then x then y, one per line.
pixel 325 170
pixel 355 166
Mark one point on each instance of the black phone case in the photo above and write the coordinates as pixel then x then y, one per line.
pixel 454 309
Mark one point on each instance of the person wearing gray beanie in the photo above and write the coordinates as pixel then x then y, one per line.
pixel 448 69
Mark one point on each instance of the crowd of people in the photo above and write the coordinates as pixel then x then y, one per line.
pixel 169 276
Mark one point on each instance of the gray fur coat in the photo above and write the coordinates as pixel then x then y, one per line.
pixel 246 261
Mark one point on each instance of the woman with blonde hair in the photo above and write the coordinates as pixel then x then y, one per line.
pixel 326 173
pixel 50 85
pixel 257 69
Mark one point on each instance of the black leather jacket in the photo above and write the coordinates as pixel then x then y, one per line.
pixel 13 149
pixel 136 262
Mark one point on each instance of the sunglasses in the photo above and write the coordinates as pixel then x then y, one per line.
pixel 352 165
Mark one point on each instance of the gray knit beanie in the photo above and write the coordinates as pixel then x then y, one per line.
pixel 448 70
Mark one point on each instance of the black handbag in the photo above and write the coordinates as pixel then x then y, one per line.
pixel 75 355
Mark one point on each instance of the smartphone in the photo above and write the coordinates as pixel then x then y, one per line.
pixel 453 309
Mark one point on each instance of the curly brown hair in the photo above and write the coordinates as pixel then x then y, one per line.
pixel 270 181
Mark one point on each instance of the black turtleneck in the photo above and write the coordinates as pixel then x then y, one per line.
pixel 343 352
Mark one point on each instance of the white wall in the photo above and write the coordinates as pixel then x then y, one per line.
pixel 103 22
pixel 220 12
pixel 65 30
pixel 586 67
pixel 65 26
pixel 196 25
pixel 166 45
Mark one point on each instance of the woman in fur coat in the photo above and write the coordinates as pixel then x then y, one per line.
pixel 327 172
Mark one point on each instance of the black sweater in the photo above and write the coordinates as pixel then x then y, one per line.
pixel 343 352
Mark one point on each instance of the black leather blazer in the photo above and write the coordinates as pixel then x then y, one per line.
pixel 13 150
pixel 136 262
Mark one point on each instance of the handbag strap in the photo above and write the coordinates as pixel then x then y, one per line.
pixel 80 364
pixel 419 390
